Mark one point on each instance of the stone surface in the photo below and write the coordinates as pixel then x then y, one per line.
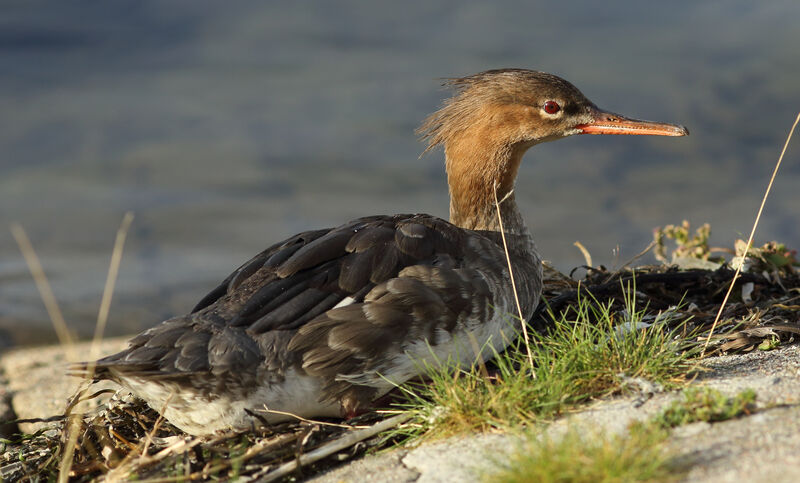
pixel 762 447
pixel 384 467
pixel 38 381
pixel 458 459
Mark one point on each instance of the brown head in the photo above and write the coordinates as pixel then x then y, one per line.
pixel 495 116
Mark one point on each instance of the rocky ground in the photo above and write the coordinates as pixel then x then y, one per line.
pixel 762 446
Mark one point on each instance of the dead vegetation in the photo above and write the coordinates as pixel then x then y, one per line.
pixel 128 440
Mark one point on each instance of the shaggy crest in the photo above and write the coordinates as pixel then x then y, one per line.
pixel 498 87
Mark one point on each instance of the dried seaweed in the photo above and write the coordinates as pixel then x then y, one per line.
pixel 126 439
pixel 766 306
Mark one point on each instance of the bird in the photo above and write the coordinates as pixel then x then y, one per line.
pixel 325 322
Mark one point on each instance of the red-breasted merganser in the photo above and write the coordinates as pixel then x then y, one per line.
pixel 325 322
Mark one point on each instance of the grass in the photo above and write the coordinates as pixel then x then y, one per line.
pixel 591 355
pixel 705 404
pixel 637 455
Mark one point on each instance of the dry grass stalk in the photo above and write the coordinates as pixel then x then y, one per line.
pixel 62 332
pixel 108 290
pixel 637 256
pixel 310 421
pixel 750 239
pixel 45 291
pixel 73 422
pixel 124 471
pixel 522 320
pixel 149 439
pixel 587 257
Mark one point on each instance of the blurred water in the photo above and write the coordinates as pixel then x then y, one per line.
pixel 226 126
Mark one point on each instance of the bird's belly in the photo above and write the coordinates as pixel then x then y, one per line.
pixel 199 412
pixel 479 341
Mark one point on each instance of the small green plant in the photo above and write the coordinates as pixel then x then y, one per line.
pixel 768 344
pixel 772 257
pixel 637 455
pixel 705 404
pixel 686 245
pixel 587 355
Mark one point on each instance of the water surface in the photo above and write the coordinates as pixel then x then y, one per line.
pixel 226 126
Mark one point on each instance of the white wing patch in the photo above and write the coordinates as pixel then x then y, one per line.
pixel 345 302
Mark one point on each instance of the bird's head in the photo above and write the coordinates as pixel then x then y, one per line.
pixel 518 107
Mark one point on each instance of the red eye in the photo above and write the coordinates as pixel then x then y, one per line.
pixel 551 107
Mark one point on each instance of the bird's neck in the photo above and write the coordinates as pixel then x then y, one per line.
pixel 480 175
